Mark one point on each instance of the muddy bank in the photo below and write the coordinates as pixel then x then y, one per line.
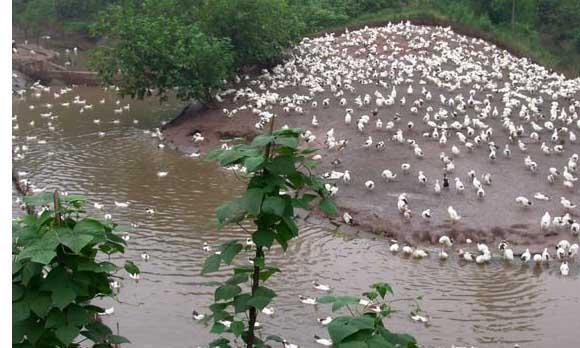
pixel 494 218
pixel 375 211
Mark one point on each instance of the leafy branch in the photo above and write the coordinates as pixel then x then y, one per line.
pixel 273 163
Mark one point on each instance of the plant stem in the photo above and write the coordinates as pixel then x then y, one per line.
pixel 57 218
pixel 256 273
pixel 255 284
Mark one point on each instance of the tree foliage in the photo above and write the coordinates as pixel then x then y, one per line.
pixel 57 271
pixel 259 30
pixel 152 53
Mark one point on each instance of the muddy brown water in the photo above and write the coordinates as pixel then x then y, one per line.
pixel 495 305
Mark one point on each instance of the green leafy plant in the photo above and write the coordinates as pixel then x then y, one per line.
pixel 279 182
pixel 364 327
pixel 57 272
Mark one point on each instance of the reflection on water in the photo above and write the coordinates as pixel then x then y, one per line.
pixel 495 305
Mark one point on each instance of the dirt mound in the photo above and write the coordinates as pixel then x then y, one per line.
pixel 370 71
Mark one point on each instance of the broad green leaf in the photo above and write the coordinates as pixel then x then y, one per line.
pixel 326 299
pixel 283 235
pixel 253 163
pixel 371 295
pixel 378 341
pixel 274 205
pixel 55 318
pixel 76 242
pixel 267 272
pixel 17 292
pixel 212 264
pixel 131 268
pixel 98 331
pixel 252 201
pixel 230 211
pixel 77 315
pixel 40 304
pixel 247 269
pixel 342 301
pixel 263 238
pixel 354 344
pixel 219 343
pixel 402 340
pixel 309 150
pixel 89 226
pixel 63 296
pixel 293 132
pixel 361 335
pixel 225 292
pixel 20 311
pixel 281 165
pixel 291 142
pixel 218 307
pixel 240 303
pixel 30 271
pixel 213 154
pixel 238 279
pixel 116 339
pixel 230 250
pixel 103 267
pixel 383 288
pixel 328 207
pixel 261 298
pixel 19 330
pixel 262 140
pixel 66 334
pixel 229 157
pixel 342 327
pixel 42 251
pixel 45 198
pixel 217 328
pixel 237 328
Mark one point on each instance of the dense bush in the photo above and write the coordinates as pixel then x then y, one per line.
pixel 151 53
pixel 358 7
pixel 259 30
pixel 57 272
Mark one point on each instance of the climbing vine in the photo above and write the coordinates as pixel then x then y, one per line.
pixel 57 271
pixel 280 180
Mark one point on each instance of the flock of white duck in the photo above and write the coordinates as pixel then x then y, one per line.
pixel 462 93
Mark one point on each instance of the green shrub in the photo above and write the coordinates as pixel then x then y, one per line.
pixel 259 30
pixel 358 7
pixel 148 52
pixel 319 18
pixel 57 271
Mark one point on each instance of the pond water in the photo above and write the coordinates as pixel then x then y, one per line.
pixel 495 305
